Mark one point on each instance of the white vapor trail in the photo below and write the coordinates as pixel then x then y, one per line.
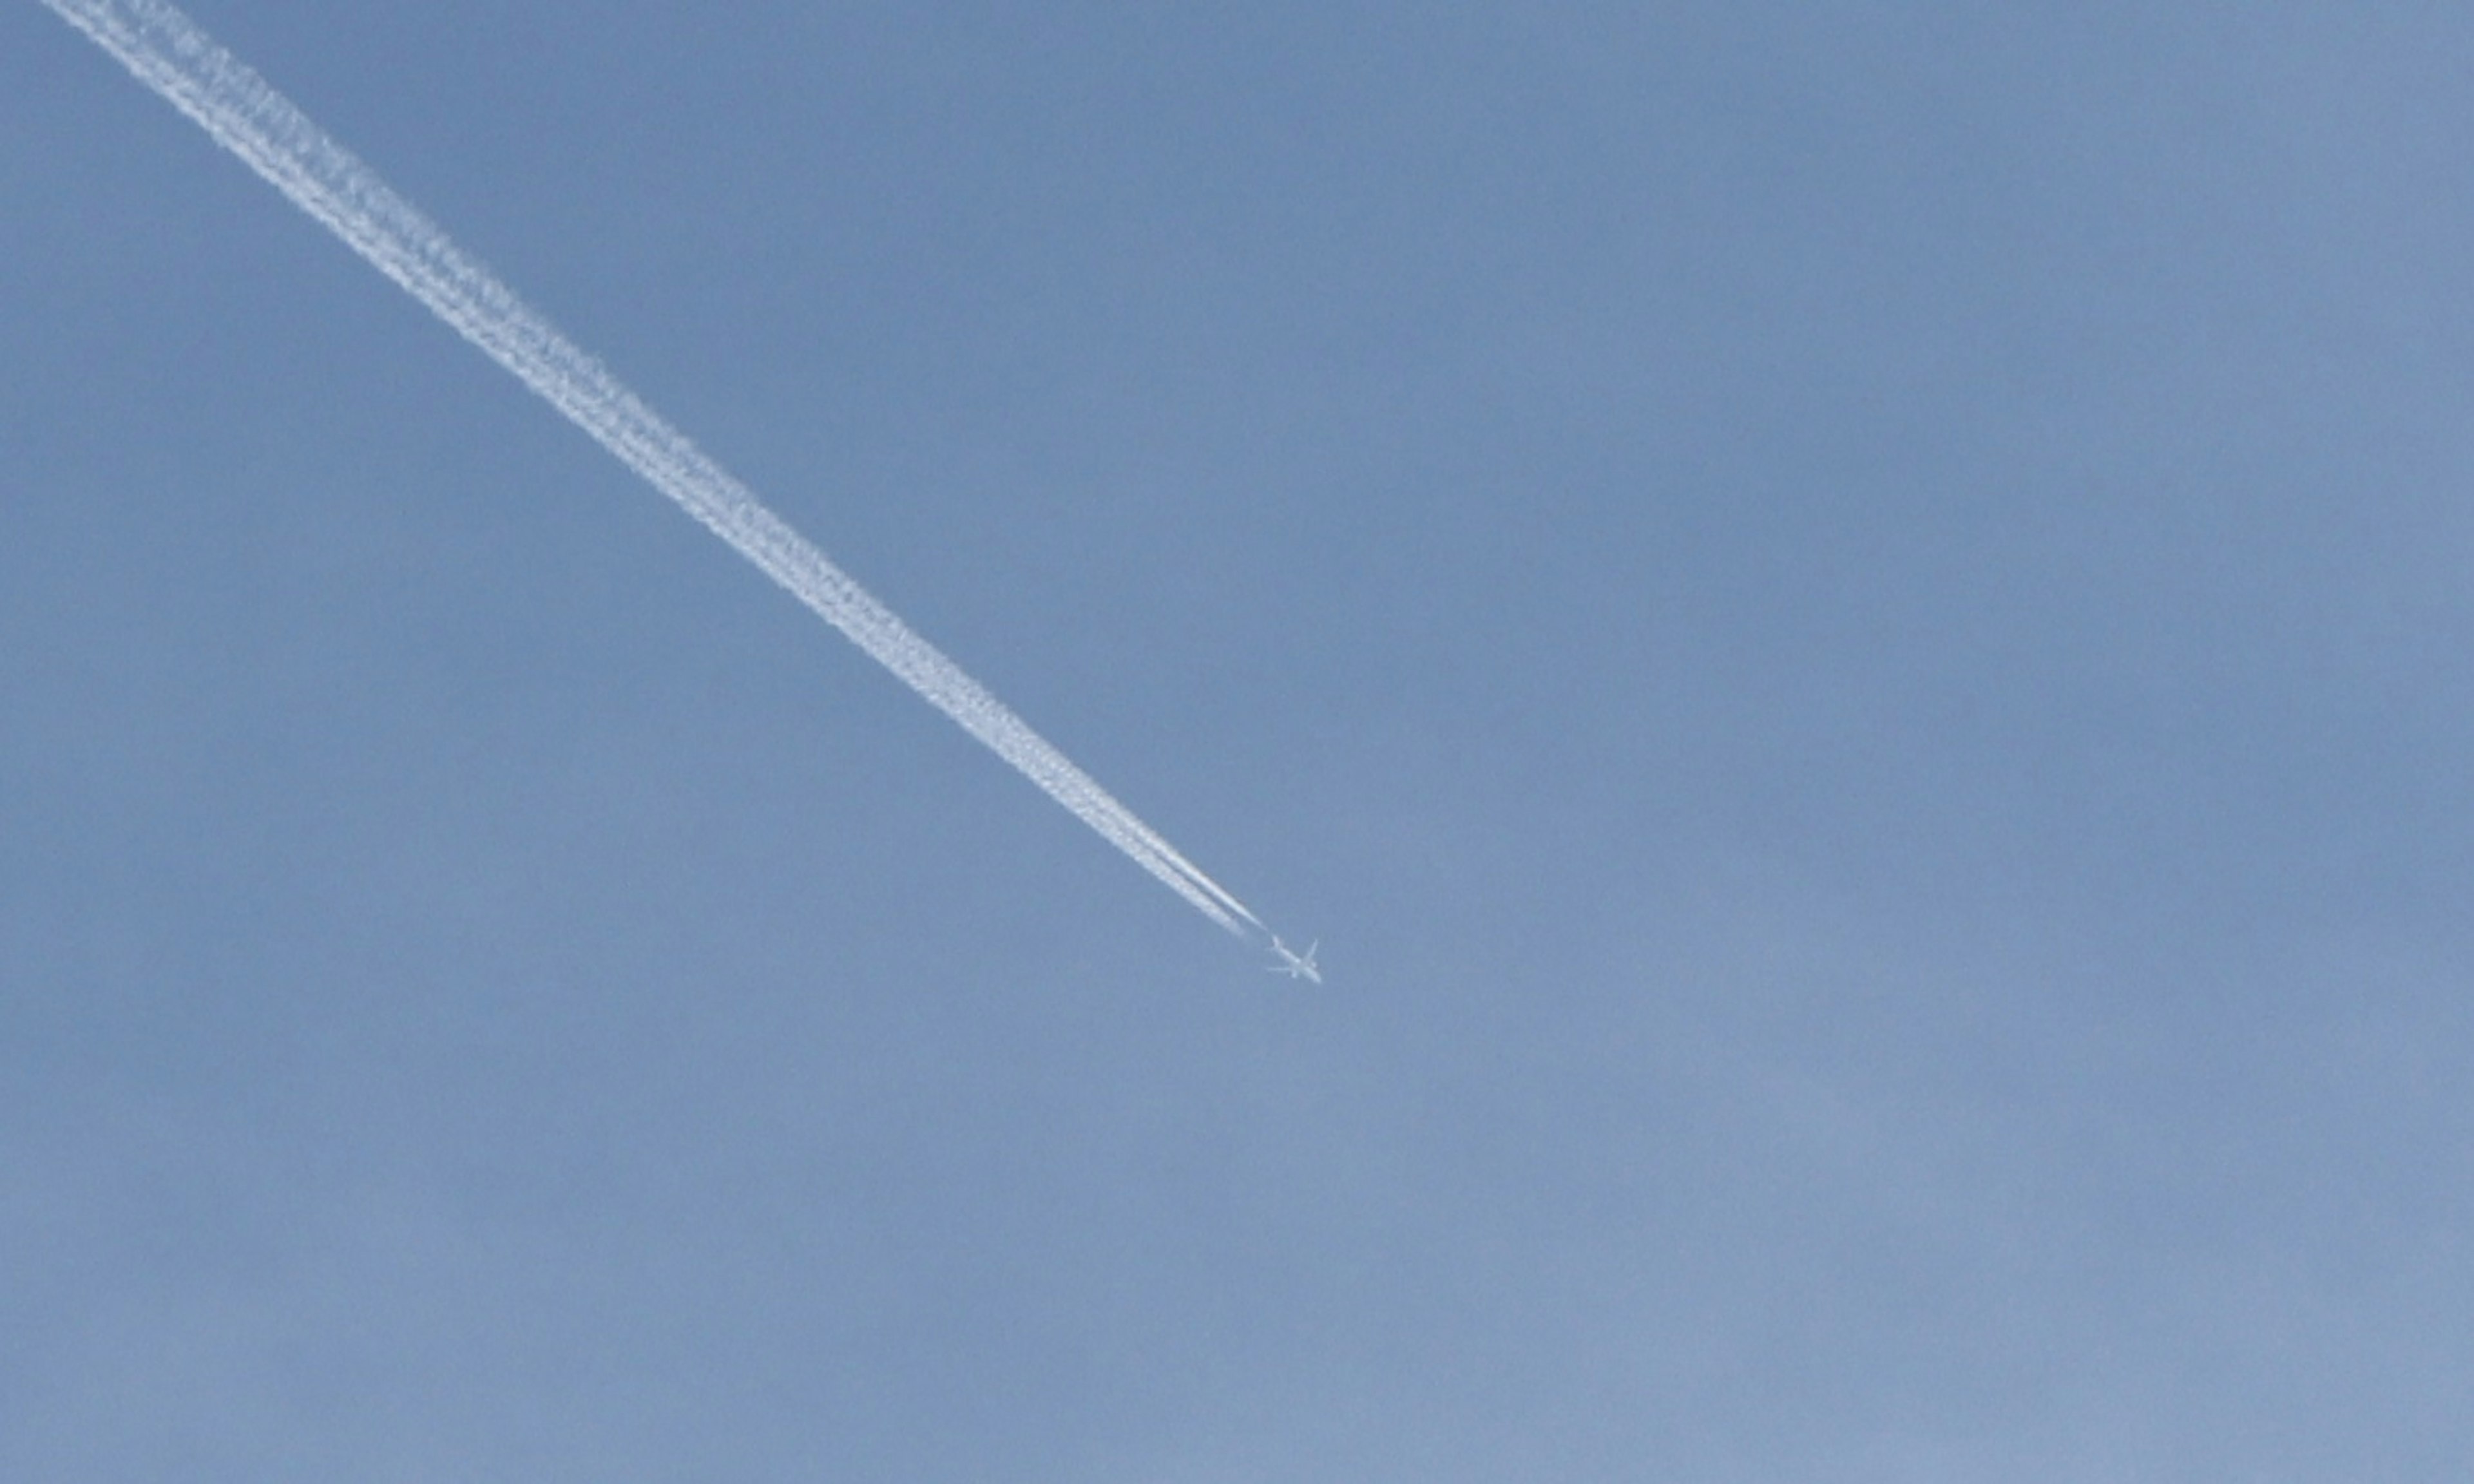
pixel 169 54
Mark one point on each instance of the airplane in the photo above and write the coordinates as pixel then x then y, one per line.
pixel 1297 965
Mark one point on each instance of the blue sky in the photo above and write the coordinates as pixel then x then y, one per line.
pixel 1850 621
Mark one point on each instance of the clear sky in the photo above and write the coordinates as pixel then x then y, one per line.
pixel 1854 624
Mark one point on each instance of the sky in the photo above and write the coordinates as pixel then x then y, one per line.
pixel 1851 622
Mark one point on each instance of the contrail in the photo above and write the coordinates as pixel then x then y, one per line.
pixel 169 54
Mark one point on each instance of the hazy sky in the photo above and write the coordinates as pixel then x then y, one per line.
pixel 1854 624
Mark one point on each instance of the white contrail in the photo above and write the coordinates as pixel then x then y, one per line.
pixel 169 54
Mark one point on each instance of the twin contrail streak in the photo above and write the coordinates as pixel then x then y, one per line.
pixel 169 54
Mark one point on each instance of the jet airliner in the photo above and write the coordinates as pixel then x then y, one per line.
pixel 1296 965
